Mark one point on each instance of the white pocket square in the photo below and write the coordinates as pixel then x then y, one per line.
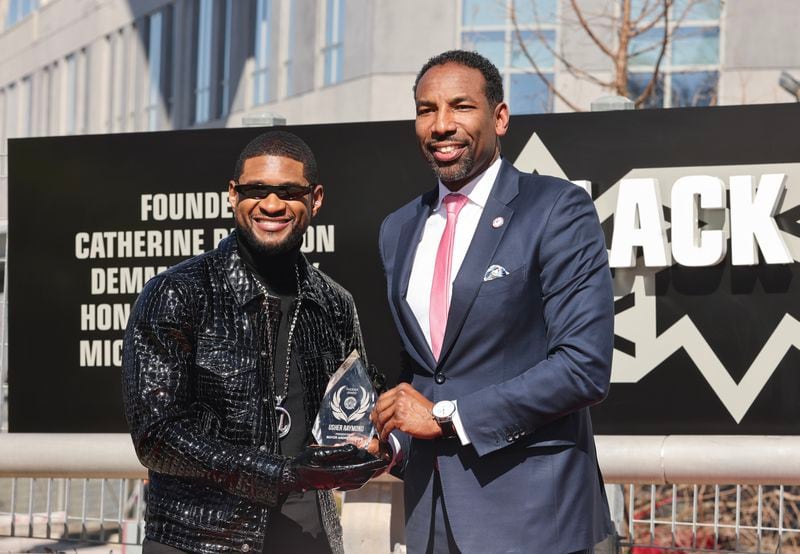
pixel 494 272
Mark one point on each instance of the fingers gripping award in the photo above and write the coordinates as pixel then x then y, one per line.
pixel 344 412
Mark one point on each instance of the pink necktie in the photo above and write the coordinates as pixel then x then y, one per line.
pixel 440 290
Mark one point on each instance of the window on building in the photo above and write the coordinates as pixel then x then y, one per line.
pixel 224 63
pixel 155 32
pixel 47 99
pixel 85 90
pixel 637 82
pixel 487 27
pixel 54 97
pixel 25 107
pixel 689 70
pixel 71 103
pixel 118 81
pixel 211 58
pixel 262 52
pixel 19 10
pixel 202 67
pixel 529 94
pixel 333 50
pixel 159 70
pixel 76 89
pixel 694 88
pixel 288 48
pixel 112 48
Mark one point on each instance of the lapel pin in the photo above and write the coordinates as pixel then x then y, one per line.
pixel 497 222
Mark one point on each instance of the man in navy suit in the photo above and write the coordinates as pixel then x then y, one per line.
pixel 502 297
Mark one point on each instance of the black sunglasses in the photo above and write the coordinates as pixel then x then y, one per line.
pixel 259 191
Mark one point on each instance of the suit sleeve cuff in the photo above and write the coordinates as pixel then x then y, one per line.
pixel 460 431
pixel 397 452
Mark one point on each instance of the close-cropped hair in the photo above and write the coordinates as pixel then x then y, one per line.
pixel 279 143
pixel 494 82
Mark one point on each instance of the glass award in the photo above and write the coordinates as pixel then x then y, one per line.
pixel 344 412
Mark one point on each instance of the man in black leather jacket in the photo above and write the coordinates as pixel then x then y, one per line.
pixel 226 358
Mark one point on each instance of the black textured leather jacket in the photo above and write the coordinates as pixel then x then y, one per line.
pixel 198 396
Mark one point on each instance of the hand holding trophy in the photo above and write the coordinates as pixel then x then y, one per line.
pixel 344 414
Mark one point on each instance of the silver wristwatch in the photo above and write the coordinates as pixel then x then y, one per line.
pixel 443 412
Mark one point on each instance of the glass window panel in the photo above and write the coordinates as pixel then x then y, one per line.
pixel 645 48
pixel 18 10
pixel 637 82
pixel 697 9
pixel 696 88
pixel 484 12
pixel 645 11
pixel 536 43
pixel 637 6
pixel 13 13
pixel 490 44
pixel 290 49
pixel 203 62
pixel 535 12
pixel 86 89
pixel 261 72
pixel 154 61
pixel 72 84
pixel 529 94
pixel 26 105
pixel 695 46
pixel 334 31
pixel 225 61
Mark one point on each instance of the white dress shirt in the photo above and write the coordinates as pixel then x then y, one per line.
pixel 419 284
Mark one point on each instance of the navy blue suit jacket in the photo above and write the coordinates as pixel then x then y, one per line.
pixel 524 355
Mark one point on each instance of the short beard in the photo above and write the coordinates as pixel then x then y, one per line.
pixel 259 249
pixel 451 173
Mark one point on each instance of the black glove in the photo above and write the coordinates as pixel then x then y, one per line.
pixel 330 467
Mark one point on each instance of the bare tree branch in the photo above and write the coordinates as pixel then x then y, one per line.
pixel 541 75
pixel 569 66
pixel 654 79
pixel 627 25
pixel 638 29
pixel 586 27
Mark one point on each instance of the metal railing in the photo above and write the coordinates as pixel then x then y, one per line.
pixel 674 499
pixel 712 518
pixel 680 493
pixel 82 488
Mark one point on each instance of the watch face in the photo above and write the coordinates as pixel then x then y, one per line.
pixel 443 409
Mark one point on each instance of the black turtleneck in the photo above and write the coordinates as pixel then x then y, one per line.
pixel 277 273
pixel 298 525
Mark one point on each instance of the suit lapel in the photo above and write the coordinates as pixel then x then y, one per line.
pixel 481 250
pixel 409 239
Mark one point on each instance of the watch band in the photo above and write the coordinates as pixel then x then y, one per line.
pixel 448 428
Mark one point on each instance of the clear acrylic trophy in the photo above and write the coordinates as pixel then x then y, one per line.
pixel 345 408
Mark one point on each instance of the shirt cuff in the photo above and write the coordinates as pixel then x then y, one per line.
pixel 460 431
pixel 397 452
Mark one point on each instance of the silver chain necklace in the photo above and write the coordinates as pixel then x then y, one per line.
pixel 284 419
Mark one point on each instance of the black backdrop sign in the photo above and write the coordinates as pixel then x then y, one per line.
pixel 708 349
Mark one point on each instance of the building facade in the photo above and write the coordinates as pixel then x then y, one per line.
pixel 108 66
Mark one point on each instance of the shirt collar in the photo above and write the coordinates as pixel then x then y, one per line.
pixel 478 189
